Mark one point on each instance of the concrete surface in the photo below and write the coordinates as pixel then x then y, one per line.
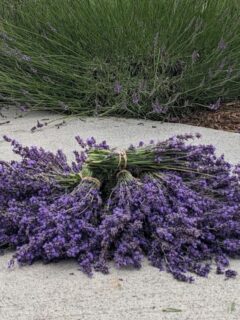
pixel 59 291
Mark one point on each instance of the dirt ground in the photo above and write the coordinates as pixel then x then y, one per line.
pixel 226 118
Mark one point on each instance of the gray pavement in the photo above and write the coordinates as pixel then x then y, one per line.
pixel 59 291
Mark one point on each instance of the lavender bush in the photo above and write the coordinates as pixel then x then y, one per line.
pixel 176 203
pixel 135 58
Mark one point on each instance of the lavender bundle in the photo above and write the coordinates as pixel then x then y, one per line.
pixel 122 232
pixel 183 226
pixel 176 203
pixel 68 228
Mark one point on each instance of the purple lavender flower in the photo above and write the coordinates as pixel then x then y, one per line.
pixel 33 70
pixel 63 105
pixel 26 58
pixel 39 124
pixel 135 98
pixel 67 228
pixel 122 228
pixel 117 87
pixel 81 142
pixel 222 45
pixel 91 141
pixel 51 27
pixel 7 139
pixel 33 129
pixel 230 274
pixel 195 56
pixel 4 36
pixel 215 106
pixel 182 215
pixel 158 108
pixel 222 65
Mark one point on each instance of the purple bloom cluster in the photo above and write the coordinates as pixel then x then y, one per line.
pixel 158 108
pixel 195 56
pixel 122 232
pixel 222 45
pixel 176 203
pixel 14 52
pixel 215 106
pixel 67 228
pixel 117 87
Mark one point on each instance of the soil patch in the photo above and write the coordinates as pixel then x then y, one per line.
pixel 226 118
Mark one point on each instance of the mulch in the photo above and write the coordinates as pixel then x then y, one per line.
pixel 227 118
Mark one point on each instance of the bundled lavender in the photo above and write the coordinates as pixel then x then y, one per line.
pixel 68 228
pixel 183 226
pixel 175 203
pixel 122 232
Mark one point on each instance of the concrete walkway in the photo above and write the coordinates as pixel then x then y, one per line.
pixel 59 291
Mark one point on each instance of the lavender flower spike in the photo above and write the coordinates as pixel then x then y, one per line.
pixel 222 45
pixel 157 107
pixel 195 56
pixel 215 106
pixel 135 98
pixel 117 87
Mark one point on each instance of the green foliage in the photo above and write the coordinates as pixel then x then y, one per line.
pixel 141 58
